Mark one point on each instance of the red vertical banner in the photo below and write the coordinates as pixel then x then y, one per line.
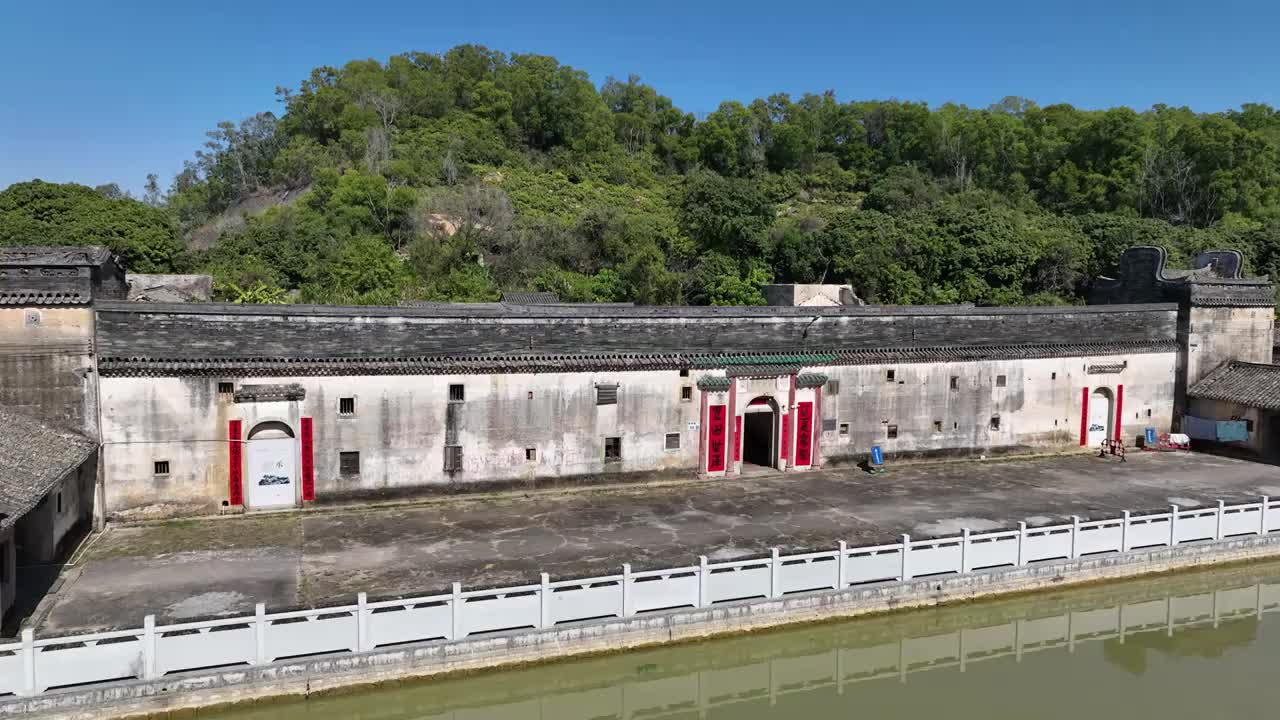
pixel 737 438
pixel 234 465
pixel 1084 417
pixel 716 427
pixel 786 437
pixel 308 462
pixel 804 433
pixel 1119 410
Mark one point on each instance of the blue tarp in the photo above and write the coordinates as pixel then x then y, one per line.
pixel 1233 431
pixel 1219 430
pixel 1200 428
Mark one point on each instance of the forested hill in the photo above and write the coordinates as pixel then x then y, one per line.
pixel 455 176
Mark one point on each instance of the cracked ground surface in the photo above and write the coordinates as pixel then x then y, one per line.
pixel 195 569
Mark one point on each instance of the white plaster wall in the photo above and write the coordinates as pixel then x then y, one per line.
pixel 398 429
pixel 1039 407
pixel 399 426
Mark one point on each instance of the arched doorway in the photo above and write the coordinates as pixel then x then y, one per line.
pixel 1099 416
pixel 760 432
pixel 272 473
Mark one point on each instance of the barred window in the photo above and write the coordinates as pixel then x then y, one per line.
pixel 457 393
pixel 347 406
pixel 606 394
pixel 893 432
pixel 349 463
pixel 686 393
pixel 162 467
pixel 833 387
pixel 1001 381
pixel 226 388
pixel 452 458
pixel 613 449
pixel 673 441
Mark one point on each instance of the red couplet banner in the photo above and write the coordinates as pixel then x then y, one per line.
pixel 715 438
pixel 804 433
pixel 308 462
pixel 235 495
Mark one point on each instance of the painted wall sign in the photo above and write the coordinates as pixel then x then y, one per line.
pixel 693 427
pixel 804 433
pixel 737 438
pixel 308 462
pixel 235 492
pixel 716 430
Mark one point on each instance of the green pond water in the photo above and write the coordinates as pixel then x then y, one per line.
pixel 1204 645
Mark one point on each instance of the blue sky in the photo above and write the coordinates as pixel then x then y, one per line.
pixel 99 92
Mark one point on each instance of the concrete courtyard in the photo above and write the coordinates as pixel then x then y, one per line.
pixel 189 569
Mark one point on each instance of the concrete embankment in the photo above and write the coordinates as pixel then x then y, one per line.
pixel 180 694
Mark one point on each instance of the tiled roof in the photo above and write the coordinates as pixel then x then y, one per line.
pixel 54 255
pixel 808 380
pixel 1251 384
pixel 33 458
pixel 530 298
pixel 737 363
pixel 713 383
pixel 43 297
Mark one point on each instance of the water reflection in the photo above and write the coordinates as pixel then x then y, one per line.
pixel 1077 646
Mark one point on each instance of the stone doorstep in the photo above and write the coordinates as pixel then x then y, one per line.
pixel 303 677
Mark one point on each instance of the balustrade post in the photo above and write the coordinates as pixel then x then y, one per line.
pixel 840 561
pixel 1217 530
pixel 363 641
pixel 1173 525
pixel 544 601
pixel 964 550
pixel 456 606
pixel 775 575
pixel 1022 543
pixel 149 647
pixel 905 574
pixel 1262 522
pixel 628 602
pixel 1075 536
pixel 28 662
pixel 1124 532
pixel 260 634
pixel 704 578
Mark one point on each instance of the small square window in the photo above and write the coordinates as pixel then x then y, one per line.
pixel 161 467
pixel 995 422
pixel 937 426
pixel 457 393
pixel 613 449
pixel 673 441
pixel 844 429
pixel 530 394
pixel 1148 412
pixel 1055 422
pixel 1002 381
pixel 226 388
pixel 453 458
pixel 889 375
pixel 347 406
pixel 531 454
pixel 955 382
pixel 349 463
pixel 686 393
pixel 684 372
pixel 893 431
pixel 955 426
pixel 833 387
pixel 1053 376
pixel 606 394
